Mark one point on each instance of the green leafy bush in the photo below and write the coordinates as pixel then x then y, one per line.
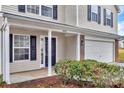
pixel 86 70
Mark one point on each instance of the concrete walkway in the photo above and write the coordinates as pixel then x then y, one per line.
pixel 29 75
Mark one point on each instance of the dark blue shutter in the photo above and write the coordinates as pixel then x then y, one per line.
pixel 21 8
pixel 33 48
pixel 99 14
pixel 111 19
pixel 11 48
pixel 104 19
pixel 55 12
pixel 89 12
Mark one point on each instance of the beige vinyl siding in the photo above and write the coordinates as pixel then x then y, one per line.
pixel 70 15
pixel 71 47
pixel 19 66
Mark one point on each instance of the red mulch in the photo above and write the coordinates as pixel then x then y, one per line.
pixel 48 82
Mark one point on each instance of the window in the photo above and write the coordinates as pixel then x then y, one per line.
pixel 108 17
pixel 94 13
pixel 33 9
pixel 46 11
pixel 21 47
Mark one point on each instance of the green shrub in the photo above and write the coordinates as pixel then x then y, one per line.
pixel 86 70
pixel 1 80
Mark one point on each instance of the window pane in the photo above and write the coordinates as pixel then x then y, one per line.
pixel 108 22
pixel 108 14
pixel 16 44
pixel 33 9
pixel 46 11
pixel 21 52
pixel 94 9
pixel 16 37
pixel 94 17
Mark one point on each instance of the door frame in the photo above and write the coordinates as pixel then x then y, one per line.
pixel 44 52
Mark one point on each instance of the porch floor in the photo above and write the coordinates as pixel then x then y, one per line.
pixel 29 75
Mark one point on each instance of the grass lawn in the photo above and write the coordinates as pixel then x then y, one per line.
pixel 121 54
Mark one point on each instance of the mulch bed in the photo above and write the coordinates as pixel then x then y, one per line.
pixel 48 82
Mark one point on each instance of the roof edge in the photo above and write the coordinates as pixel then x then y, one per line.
pixel 117 8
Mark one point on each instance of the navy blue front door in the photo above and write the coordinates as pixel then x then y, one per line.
pixel 53 58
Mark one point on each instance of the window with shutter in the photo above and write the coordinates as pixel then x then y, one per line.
pixel 108 18
pixel 94 13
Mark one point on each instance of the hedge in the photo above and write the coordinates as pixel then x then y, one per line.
pixel 86 70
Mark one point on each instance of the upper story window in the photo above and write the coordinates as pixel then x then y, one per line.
pixel 33 9
pixel 108 17
pixel 46 11
pixel 94 12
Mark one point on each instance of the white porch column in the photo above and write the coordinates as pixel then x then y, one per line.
pixel 49 53
pixel 77 15
pixel 0 55
pixel 5 53
pixel 78 47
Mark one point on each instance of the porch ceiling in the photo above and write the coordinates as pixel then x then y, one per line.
pixel 17 20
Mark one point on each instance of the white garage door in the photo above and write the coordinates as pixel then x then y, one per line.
pixel 97 50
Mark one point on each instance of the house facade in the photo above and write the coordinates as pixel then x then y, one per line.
pixel 37 36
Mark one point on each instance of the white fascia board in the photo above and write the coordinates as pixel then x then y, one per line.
pixel 60 26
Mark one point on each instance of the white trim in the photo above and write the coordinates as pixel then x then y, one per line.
pixel 49 53
pixel 40 10
pixel 7 57
pixel 113 51
pixel 77 17
pixel 20 47
pixel 5 52
pixel 0 53
pixel 42 37
pixel 78 47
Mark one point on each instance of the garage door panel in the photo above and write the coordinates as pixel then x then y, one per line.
pixel 101 51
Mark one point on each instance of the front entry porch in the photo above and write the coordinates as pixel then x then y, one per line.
pixel 29 75
pixel 22 49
